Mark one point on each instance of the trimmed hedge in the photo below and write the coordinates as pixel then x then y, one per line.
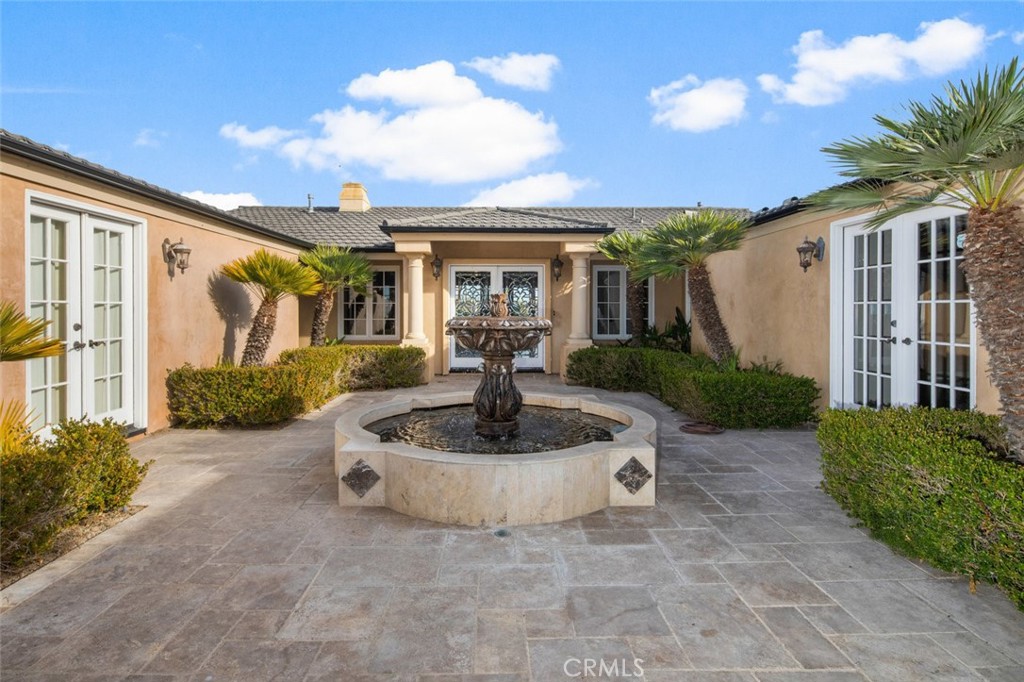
pixel 696 386
pixel 302 380
pixel 47 486
pixel 933 484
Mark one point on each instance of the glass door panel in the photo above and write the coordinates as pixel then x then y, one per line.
pixel 871 307
pixel 471 291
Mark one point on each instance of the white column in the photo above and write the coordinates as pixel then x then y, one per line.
pixel 415 331
pixel 580 272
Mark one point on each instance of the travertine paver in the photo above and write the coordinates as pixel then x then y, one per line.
pixel 243 567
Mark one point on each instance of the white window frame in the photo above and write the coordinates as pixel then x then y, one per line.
pixel 623 305
pixel 340 305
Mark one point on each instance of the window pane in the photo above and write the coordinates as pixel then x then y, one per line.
pixel 942 280
pixel 924 241
pixel 116 396
pixel 858 320
pixel 100 396
pixel 59 282
pixel 962 322
pixel 924 282
pixel 115 248
pixel 961 291
pixel 858 252
pixel 872 396
pixel 924 395
pixel 962 400
pixel 37 281
pixel 924 363
pixel 37 237
pixel 942 364
pixel 99 245
pixel 873 248
pixel 887 247
pixel 924 322
pixel 858 354
pixel 872 356
pixel 886 392
pixel 858 388
pixel 960 229
pixel 942 397
pixel 886 284
pixel 942 238
pixel 58 239
pixel 963 367
pixel 858 285
pixel 942 327
pixel 872 329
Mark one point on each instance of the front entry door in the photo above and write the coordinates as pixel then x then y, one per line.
pixel 907 317
pixel 471 287
pixel 80 278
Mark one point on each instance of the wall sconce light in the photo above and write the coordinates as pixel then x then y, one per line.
pixel 556 267
pixel 177 253
pixel 436 265
pixel 808 250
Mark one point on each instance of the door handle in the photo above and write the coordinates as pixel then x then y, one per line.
pixel 94 344
pixel 77 345
pixel 891 339
pixel 906 341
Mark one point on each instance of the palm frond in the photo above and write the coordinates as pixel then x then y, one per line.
pixel 15 431
pixel 22 338
pixel 687 239
pixel 968 142
pixel 337 267
pixel 272 277
pixel 623 246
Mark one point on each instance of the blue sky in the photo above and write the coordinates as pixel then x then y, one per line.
pixel 590 104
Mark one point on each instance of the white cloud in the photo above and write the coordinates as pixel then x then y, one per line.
pixel 225 202
pixel 527 71
pixel 434 84
pixel 825 72
pixel 1018 38
pixel 255 139
pixel 695 107
pixel 147 137
pixel 447 131
pixel 536 190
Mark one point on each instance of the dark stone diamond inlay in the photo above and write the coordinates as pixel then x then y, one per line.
pixel 633 475
pixel 361 478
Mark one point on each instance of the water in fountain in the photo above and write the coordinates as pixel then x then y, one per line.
pixel 498 423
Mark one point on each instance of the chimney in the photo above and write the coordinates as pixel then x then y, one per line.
pixel 353 198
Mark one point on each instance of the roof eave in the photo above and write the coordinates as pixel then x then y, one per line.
pixel 399 229
pixel 14 146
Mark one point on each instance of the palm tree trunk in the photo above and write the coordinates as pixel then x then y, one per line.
pixel 705 309
pixel 322 311
pixel 994 265
pixel 636 309
pixel 260 334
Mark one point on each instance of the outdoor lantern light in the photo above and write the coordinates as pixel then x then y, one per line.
pixel 556 267
pixel 809 250
pixel 435 266
pixel 177 253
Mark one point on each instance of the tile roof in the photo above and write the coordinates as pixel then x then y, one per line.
pixel 363 230
pixel 10 143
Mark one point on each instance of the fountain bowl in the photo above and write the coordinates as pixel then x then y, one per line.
pixel 495 490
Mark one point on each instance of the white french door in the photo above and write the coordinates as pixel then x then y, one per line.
pixel 470 290
pixel 907 319
pixel 81 279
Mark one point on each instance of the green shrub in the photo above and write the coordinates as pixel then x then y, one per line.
pixel 302 380
pixel 933 484
pixel 360 368
pixel 696 386
pixel 106 474
pixel 47 486
pixel 243 396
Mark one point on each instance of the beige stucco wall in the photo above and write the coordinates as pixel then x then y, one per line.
pixel 193 317
pixel 775 310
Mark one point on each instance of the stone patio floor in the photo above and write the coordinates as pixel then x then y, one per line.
pixel 243 567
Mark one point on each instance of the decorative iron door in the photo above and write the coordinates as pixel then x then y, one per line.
pixel 471 289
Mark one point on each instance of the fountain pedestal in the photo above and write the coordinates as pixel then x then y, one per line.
pixel 498 337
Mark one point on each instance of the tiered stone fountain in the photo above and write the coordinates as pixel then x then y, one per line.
pixel 402 455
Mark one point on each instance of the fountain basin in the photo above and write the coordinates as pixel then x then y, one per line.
pixel 488 490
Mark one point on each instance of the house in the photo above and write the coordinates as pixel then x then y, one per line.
pixel 91 250
pixel 880 318
pixel 433 263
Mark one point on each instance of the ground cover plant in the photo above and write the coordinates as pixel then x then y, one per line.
pixel 303 379
pixel 699 387
pixel 934 484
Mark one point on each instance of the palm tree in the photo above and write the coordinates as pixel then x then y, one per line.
pixel 967 146
pixel 335 268
pixel 20 339
pixel 271 278
pixel 681 245
pixel 625 247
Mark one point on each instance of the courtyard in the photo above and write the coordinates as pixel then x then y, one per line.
pixel 243 567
